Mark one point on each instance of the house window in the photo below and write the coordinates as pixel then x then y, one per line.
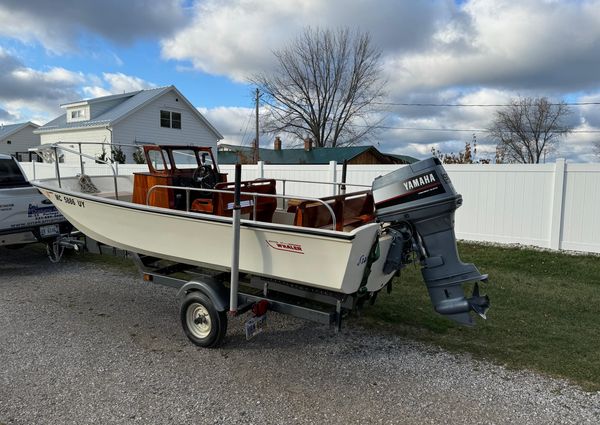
pixel 8 142
pixel 78 113
pixel 165 119
pixel 175 120
pixel 170 119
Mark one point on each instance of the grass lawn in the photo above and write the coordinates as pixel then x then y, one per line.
pixel 544 315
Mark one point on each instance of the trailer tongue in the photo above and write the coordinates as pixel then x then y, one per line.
pixel 419 203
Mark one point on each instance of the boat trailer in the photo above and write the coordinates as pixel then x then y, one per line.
pixel 204 299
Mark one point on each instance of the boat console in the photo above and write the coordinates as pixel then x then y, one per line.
pixel 175 166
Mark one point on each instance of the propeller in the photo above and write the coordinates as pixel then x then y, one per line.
pixel 479 303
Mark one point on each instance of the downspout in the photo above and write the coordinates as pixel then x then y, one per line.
pixel 111 146
pixel 111 137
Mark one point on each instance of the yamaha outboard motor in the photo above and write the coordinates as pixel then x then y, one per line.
pixel 419 201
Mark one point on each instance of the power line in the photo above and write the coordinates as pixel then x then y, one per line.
pixel 469 130
pixel 480 105
pixel 244 140
pixel 467 105
pixel 386 127
pixel 462 130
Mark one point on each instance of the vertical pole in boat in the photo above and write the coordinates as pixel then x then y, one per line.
pixel 235 257
pixel 284 200
pixel 80 159
pixel 333 176
pixel 344 169
pixel 56 169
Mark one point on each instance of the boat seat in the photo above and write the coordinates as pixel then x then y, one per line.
pixel 316 215
pixel 351 210
pixel 222 203
pixel 358 210
pixel 202 205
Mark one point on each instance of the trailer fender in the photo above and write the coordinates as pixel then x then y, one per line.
pixel 213 289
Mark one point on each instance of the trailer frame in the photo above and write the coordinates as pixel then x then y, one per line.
pixel 307 303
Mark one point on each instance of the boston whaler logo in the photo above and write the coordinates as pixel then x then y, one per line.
pixel 285 246
pixel 419 181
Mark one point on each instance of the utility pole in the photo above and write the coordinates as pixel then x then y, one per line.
pixel 255 157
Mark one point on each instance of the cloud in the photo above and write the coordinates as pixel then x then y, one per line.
pixel 400 136
pixel 6 116
pixel 32 94
pixel 236 38
pixel 502 44
pixel 548 46
pixel 22 87
pixel 114 83
pixel 58 24
pixel 234 123
pixel 589 114
pixel 578 146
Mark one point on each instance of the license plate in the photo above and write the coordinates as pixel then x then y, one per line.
pixel 255 325
pixel 49 230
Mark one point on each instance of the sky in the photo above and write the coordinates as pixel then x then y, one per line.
pixel 470 52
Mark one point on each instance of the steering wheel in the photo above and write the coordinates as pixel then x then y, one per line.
pixel 204 177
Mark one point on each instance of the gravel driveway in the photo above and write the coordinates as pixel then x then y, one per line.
pixel 85 341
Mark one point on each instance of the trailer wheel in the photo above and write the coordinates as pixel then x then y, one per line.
pixel 202 323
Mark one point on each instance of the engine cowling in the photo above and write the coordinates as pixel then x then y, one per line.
pixel 418 201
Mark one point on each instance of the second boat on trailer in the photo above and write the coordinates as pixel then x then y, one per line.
pixel 339 250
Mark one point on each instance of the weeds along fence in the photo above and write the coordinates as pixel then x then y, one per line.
pixel 554 206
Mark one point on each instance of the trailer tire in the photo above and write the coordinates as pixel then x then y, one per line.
pixel 202 323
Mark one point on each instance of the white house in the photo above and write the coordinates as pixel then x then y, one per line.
pixel 154 116
pixel 16 139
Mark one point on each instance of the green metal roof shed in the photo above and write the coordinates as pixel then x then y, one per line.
pixel 229 154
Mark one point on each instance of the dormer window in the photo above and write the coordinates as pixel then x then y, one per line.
pixel 77 113
pixel 170 119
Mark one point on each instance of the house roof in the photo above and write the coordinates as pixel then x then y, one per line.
pixel 406 158
pixel 9 130
pixel 296 156
pixel 132 102
pixel 102 98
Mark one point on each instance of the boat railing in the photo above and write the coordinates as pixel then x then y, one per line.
pixel 55 147
pixel 254 196
pixel 341 186
pixel 110 160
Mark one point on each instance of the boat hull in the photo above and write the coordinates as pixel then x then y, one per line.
pixel 323 259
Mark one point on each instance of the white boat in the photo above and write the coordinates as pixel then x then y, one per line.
pixel 323 258
pixel 183 213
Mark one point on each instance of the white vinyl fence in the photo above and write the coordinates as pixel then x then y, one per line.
pixel 547 205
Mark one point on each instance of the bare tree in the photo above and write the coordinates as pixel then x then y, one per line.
pixel 529 129
pixel 325 87
pixel 466 156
